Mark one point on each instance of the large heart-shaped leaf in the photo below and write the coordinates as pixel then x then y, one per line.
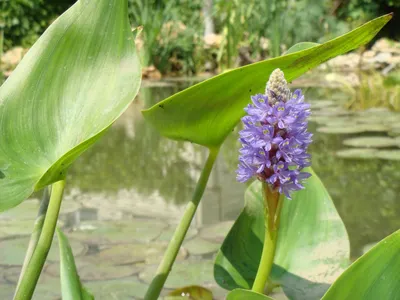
pixel 375 275
pixel 312 250
pixel 74 82
pixel 240 294
pixel 207 112
pixel 71 286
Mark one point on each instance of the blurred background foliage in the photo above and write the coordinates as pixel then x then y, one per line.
pixel 192 36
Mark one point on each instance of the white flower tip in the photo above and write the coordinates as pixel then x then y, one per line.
pixel 277 87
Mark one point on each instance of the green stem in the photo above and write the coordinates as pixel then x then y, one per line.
pixel 173 248
pixel 37 230
pixel 35 266
pixel 1 48
pixel 270 242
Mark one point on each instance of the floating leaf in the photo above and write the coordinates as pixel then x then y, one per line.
pixel 121 289
pixel 317 104
pixel 167 234
pixel 310 228
pixel 13 250
pixel 76 80
pixel 375 275
pixel 388 154
pixel 71 286
pixel 193 292
pixel 371 142
pixel 135 253
pixel 184 273
pixel 207 112
pixel 357 153
pixel 240 294
pixel 48 287
pixel 27 210
pixel 136 230
pixel 89 270
pixel 340 130
pixel 216 232
pixel 198 246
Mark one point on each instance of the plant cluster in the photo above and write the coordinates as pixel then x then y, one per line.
pixel 173 30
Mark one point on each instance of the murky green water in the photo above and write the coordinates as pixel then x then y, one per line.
pixel 126 194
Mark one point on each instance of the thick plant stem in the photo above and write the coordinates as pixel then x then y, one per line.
pixel 273 206
pixel 35 265
pixel 173 248
pixel 37 230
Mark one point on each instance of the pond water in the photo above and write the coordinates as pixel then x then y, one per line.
pixel 125 195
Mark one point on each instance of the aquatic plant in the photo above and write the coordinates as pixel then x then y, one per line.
pixel 84 72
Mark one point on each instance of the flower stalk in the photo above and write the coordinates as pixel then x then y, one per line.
pixel 273 203
pixel 168 260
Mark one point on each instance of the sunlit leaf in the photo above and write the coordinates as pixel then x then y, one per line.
pixel 375 275
pixel 193 292
pixel 71 287
pixel 207 112
pixel 69 88
pixel 300 46
pixel 240 294
pixel 312 250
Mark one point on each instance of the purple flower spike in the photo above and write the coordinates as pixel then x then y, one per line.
pixel 275 137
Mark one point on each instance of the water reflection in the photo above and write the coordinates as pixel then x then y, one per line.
pixel 133 164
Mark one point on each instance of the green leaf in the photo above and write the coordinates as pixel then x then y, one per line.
pixel 240 294
pixel 193 292
pixel 375 275
pixel 207 112
pixel 71 287
pixel 69 88
pixel 312 250
pixel 301 46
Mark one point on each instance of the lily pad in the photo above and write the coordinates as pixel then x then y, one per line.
pixel 193 292
pixel 167 234
pixel 347 122
pixel 316 104
pixel 17 227
pixel 340 130
pixel 7 291
pixel 27 210
pixel 388 154
pixel 216 232
pixel 371 142
pixel 357 153
pixel 134 253
pixel 199 246
pixel 136 230
pixel 394 131
pixel 91 271
pixel 13 250
pixel 320 119
pixel 121 289
pixel 69 206
pixel 48 287
pixel 184 273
